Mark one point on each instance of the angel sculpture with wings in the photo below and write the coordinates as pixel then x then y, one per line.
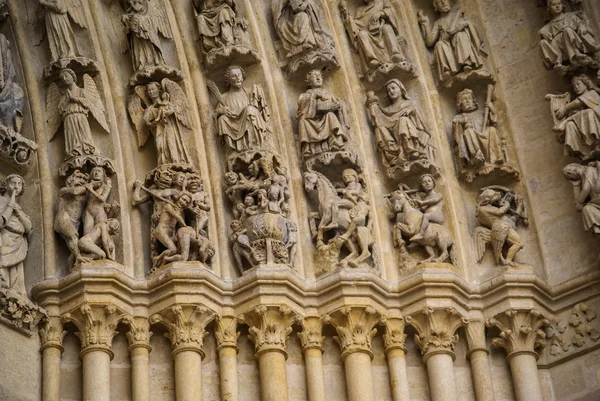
pixel 70 108
pixel 58 17
pixel 144 21
pixel 162 109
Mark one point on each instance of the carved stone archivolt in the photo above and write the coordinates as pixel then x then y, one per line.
pixel 436 330
pixel 270 327
pixel 521 331
pixel 187 326
pixel 459 53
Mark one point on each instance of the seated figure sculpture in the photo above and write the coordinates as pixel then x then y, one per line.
pixel 458 51
pixel 586 187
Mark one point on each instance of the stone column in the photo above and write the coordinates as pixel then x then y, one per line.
pixel 51 334
pixel 478 355
pixel 355 327
pixel 436 338
pixel 139 351
pixel 521 335
pixel 312 339
pixel 270 327
pixel 227 336
pixel 96 325
pixel 394 340
pixel 186 326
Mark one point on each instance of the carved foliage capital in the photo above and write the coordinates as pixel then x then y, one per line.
pixel 18 310
pixel 186 325
pixel 475 332
pixel 521 331
pixel 394 337
pixel 139 332
pixel 226 331
pixel 355 327
pixel 270 327
pixel 436 330
pixel 52 333
pixel 311 335
pixel 96 325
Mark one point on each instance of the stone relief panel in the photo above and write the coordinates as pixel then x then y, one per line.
pixel 304 34
pixel 459 52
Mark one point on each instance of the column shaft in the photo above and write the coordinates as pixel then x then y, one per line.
pixel 525 377
pixel 51 374
pixel 313 360
pixel 140 374
pixel 228 371
pixel 273 378
pixel 359 378
pixel 440 371
pixel 188 376
pixel 96 375
pixel 398 376
pixel 482 379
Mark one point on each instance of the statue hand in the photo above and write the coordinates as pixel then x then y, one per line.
pixel 561 113
pixel 137 184
pixel 579 206
pixel 423 19
pixel 14 206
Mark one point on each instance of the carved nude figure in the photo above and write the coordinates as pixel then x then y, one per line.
pixel 457 47
pixel 72 199
pixel 98 243
pixel 322 121
pixel 430 203
pixel 58 15
pixel 98 189
pixel 15 225
pixel 166 230
pixel 200 205
pixel 586 187
pixel 567 40
pixel 70 108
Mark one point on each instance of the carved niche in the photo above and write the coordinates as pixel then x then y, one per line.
pixel 305 37
pixel 458 51
pixel 257 183
pixel 374 33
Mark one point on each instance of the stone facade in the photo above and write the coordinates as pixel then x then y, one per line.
pixel 361 200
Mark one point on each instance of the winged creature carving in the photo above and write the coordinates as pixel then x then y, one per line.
pixel 161 109
pixel 70 107
pixel 59 16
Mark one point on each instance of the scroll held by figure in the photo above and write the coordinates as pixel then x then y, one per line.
pixel 304 34
pixel 401 133
pixel 499 212
pixel 481 149
pixel 375 36
pixel 586 187
pixel 458 51
pixel 419 219
pixel 568 42
pixel 223 33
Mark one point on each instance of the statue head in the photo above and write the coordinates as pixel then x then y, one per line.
pixel 395 89
pixel 153 90
pixel 179 179
pixel 184 199
pixel 77 178
pixel 235 225
pixel 314 78
pixel 573 171
pixel 194 183
pixel 114 227
pixel 581 84
pixel 488 196
pixel 465 101
pixel 349 175
pixel 67 76
pixel 427 182
pixel 231 178
pixel 442 6
pixel 97 174
pixel 235 76
pixel 13 183
pixel 136 6
pixel 556 7
pixel 248 201
pixel 163 179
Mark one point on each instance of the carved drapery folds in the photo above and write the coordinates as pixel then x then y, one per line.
pixel 270 327
pixel 521 331
pixel 436 330
pixel 186 325
pixel 459 53
pixel 355 327
pixel 306 40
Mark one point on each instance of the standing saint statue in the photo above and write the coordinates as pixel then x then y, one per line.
pixel 304 33
pixel 400 131
pixel 586 187
pixel 567 40
pixel 70 108
pixel 58 15
pixel 15 225
pixel 322 121
pixel 457 47
pixel 162 109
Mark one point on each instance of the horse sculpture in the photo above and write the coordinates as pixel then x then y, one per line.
pixel 408 223
pixel 353 225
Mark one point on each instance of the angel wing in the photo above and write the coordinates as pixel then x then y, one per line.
pixel 53 99
pixel 76 12
pixel 179 102
pixel 95 101
pixel 259 100
pixel 481 236
pixel 160 19
pixel 136 113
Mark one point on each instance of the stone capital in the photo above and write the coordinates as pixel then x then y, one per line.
pixel 521 331
pixel 139 332
pixel 186 325
pixel 270 327
pixel 226 332
pixel 394 337
pixel 436 330
pixel 52 333
pixel 96 325
pixel 475 332
pixel 355 327
pixel 311 335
